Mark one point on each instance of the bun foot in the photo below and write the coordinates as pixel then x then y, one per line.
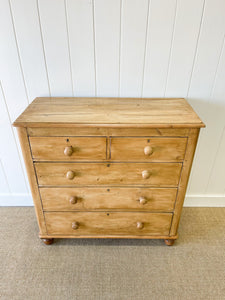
pixel 48 241
pixel 169 242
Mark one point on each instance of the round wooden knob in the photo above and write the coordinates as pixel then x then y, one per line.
pixel 148 150
pixel 70 175
pixel 140 225
pixel 75 225
pixel 68 151
pixel 145 174
pixel 143 200
pixel 73 200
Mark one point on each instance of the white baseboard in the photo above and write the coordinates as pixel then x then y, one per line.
pixel 16 200
pixel 190 200
pixel 204 201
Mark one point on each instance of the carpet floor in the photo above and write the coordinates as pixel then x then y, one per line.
pixel 194 268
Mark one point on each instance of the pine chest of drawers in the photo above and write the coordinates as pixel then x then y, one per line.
pixel 108 167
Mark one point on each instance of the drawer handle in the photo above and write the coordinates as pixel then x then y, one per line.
pixel 148 150
pixel 143 200
pixel 70 175
pixel 140 225
pixel 73 200
pixel 145 174
pixel 75 225
pixel 68 151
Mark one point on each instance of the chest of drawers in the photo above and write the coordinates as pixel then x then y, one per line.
pixel 108 167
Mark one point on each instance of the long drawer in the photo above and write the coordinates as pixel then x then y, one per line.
pixel 147 149
pixel 70 174
pixel 107 223
pixel 104 198
pixel 68 148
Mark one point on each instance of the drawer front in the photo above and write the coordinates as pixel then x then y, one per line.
pixel 153 174
pixel 68 148
pixel 107 223
pixel 148 149
pixel 140 199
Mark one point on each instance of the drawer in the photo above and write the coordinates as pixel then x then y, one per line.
pixel 153 174
pixel 107 223
pixel 104 198
pixel 147 149
pixel 68 148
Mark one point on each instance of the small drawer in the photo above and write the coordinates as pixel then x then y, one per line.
pixel 107 223
pixel 105 198
pixel 68 148
pixel 72 174
pixel 148 149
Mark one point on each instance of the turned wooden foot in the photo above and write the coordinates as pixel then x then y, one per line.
pixel 48 241
pixel 169 242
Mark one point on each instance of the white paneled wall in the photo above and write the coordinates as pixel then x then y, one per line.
pixel 122 48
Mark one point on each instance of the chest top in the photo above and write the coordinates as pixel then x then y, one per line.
pixel 113 112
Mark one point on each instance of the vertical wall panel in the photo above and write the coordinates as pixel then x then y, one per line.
pixel 8 152
pixel 107 45
pixel 30 46
pixel 187 25
pixel 201 93
pixel 80 28
pixel 208 51
pixel 4 188
pixel 216 182
pixel 11 74
pixel 159 40
pixel 54 30
pixel 133 38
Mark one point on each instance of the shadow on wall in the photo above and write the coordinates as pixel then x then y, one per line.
pixel 212 113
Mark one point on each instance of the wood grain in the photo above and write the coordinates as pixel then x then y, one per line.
pixel 163 149
pixel 104 131
pixel 113 198
pixel 108 223
pixel 192 141
pixel 152 113
pixel 24 142
pixel 161 174
pixel 83 148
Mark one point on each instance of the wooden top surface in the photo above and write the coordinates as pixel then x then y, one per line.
pixel 112 112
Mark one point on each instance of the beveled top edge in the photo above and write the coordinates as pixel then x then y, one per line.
pixel 109 112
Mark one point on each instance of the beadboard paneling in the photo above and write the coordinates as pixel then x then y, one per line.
pixel 81 45
pixel 56 46
pixel 158 46
pixel 140 48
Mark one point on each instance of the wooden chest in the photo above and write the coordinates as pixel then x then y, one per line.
pixel 108 167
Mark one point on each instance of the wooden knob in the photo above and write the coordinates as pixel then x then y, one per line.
pixel 140 225
pixel 70 175
pixel 75 225
pixel 68 151
pixel 143 200
pixel 73 200
pixel 148 150
pixel 145 174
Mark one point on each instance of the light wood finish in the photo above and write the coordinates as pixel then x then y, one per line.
pixel 108 236
pixel 107 131
pixel 25 146
pixel 108 167
pixel 192 142
pixel 108 198
pixel 116 112
pixel 105 223
pixel 148 149
pixel 64 174
pixel 68 148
